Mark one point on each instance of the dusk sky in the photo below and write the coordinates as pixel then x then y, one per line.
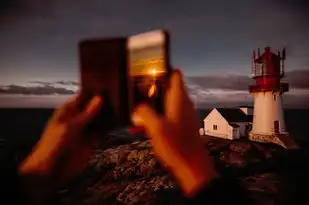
pixel 38 38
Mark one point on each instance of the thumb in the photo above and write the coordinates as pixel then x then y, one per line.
pixel 89 113
pixel 147 117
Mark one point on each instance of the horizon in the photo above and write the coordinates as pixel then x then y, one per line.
pixel 204 91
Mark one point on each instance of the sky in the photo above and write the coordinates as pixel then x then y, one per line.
pixel 210 39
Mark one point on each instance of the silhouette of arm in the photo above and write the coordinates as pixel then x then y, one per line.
pixel 220 191
pixel 16 188
pixel 10 184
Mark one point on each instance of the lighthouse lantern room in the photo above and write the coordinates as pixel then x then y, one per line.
pixel 268 117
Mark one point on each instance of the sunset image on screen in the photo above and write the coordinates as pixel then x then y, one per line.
pixel 147 61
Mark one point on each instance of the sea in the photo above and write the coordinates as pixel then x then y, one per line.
pixel 21 128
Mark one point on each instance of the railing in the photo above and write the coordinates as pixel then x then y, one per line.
pixel 282 69
pixel 282 88
pixel 259 69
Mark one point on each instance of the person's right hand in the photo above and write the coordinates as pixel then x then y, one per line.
pixel 175 137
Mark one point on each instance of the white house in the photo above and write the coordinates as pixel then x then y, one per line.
pixel 227 123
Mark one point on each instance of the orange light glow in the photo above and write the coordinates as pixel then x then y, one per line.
pixel 153 71
pixel 152 91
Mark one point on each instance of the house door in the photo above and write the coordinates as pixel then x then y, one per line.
pixel 276 126
pixel 246 129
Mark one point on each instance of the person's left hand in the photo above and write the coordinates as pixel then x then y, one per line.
pixel 63 151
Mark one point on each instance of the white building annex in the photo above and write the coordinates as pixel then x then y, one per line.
pixel 227 123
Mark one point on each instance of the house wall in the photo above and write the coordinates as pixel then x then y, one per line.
pixel 223 128
pixel 235 131
pixel 242 128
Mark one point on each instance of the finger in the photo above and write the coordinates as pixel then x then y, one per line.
pixel 65 109
pixel 79 97
pixel 145 116
pixel 90 111
pixel 175 96
pixel 186 109
pixel 78 103
pixel 74 104
pixel 178 83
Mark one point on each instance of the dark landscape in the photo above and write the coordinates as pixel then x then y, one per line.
pixel 229 53
pixel 123 169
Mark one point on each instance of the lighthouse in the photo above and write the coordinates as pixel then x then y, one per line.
pixel 268 116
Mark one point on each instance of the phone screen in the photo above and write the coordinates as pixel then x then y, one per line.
pixel 148 68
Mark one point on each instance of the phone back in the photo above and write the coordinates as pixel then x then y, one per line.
pixel 103 68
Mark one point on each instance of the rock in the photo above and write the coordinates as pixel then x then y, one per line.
pixel 149 165
pixel 241 147
pixel 144 189
pixel 129 173
pixel 263 187
pixel 265 183
pixel 235 159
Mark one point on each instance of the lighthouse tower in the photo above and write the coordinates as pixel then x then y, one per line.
pixel 268 117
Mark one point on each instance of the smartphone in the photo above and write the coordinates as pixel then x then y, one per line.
pixel 125 71
pixel 148 68
pixel 103 71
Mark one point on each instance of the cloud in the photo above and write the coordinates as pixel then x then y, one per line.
pixel 44 83
pixel 232 90
pixel 35 90
pixel 233 82
pixel 60 82
pixel 209 90
pixel 205 87
pixel 38 87
pixel 67 83
pixel 297 79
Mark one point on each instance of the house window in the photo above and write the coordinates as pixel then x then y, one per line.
pixel 214 127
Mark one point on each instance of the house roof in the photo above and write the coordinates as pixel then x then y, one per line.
pixel 234 115
pixel 202 113
pixel 244 106
pixel 234 125
pixel 250 118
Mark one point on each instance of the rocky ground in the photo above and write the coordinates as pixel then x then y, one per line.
pixel 125 171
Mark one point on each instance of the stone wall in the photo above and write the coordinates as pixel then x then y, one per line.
pixel 283 140
pixel 266 139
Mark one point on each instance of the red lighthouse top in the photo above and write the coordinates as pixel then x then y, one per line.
pixel 267 70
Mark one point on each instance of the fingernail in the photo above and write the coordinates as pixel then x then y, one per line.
pixel 136 119
pixel 97 99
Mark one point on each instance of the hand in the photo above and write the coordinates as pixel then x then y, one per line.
pixel 62 148
pixel 175 137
